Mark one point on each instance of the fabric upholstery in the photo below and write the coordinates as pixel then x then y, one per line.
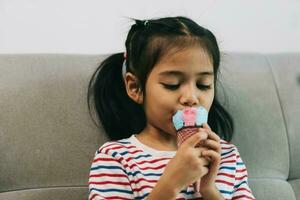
pixel 47 138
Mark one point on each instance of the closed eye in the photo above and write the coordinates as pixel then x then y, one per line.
pixel 171 86
pixel 176 86
pixel 204 87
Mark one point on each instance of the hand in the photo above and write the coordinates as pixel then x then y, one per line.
pixel 213 143
pixel 187 166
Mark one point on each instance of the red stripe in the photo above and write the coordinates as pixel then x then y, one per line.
pixel 232 155
pixel 92 197
pixel 228 161
pixel 226 182
pixel 108 145
pixel 226 148
pixel 138 163
pixel 152 161
pixel 119 147
pixel 225 174
pixel 114 148
pixel 224 142
pixel 108 159
pixel 154 168
pixel 241 178
pixel 145 168
pixel 104 159
pixel 241 170
pixel 117 197
pixel 141 188
pixel 143 179
pixel 134 152
pixel 242 197
pixel 131 158
pixel 108 182
pixel 109 175
pixel 113 143
pixel 243 189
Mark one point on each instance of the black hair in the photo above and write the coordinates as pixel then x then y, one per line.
pixel 147 42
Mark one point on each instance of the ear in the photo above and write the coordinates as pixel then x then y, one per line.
pixel 133 88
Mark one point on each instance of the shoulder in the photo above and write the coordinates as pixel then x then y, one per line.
pixel 229 151
pixel 114 147
pixel 110 153
pixel 228 147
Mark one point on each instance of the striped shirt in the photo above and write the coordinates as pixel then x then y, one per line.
pixel 127 169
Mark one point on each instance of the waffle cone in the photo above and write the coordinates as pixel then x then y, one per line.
pixel 185 133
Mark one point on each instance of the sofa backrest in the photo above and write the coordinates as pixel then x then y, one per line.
pixel 48 140
pixel 264 96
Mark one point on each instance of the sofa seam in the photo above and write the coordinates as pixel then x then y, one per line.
pixel 50 187
pixel 282 111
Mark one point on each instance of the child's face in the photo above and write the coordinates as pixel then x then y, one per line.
pixel 180 80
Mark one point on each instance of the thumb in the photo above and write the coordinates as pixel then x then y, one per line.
pixel 195 139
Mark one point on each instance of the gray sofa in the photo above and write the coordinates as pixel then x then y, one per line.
pixel 48 140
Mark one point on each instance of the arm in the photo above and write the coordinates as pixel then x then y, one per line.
pixel 163 190
pixel 108 179
pixel 213 195
pixel 241 187
pixel 209 189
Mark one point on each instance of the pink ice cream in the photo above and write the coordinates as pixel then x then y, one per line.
pixel 187 122
pixel 189 116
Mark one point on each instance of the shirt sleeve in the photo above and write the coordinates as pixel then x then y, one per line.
pixel 242 190
pixel 108 179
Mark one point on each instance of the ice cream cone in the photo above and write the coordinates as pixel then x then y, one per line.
pixel 187 122
pixel 185 133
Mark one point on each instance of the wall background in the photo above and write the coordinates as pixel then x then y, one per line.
pixel 97 26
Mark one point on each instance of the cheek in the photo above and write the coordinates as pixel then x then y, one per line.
pixel 208 100
pixel 157 101
pixel 160 109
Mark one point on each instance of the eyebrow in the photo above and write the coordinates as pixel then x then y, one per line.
pixel 179 73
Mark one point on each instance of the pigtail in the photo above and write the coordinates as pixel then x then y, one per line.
pixel 221 121
pixel 119 115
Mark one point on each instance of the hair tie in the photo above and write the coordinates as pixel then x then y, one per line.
pixel 145 23
pixel 124 68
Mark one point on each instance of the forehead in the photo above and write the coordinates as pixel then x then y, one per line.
pixel 188 60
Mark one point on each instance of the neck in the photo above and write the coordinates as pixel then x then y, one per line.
pixel 157 139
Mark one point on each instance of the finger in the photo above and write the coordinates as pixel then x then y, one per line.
pixel 206 126
pixel 204 161
pixel 212 135
pixel 212 144
pixel 204 135
pixel 216 159
pixel 204 171
pixel 195 139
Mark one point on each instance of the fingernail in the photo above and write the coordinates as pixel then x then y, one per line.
pixel 203 136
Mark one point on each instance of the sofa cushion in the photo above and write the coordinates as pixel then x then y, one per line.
pixel 56 193
pixel 47 136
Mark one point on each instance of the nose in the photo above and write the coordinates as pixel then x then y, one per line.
pixel 189 97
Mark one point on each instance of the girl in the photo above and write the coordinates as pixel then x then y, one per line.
pixel 170 64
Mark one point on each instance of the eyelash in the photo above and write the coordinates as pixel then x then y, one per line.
pixel 175 87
